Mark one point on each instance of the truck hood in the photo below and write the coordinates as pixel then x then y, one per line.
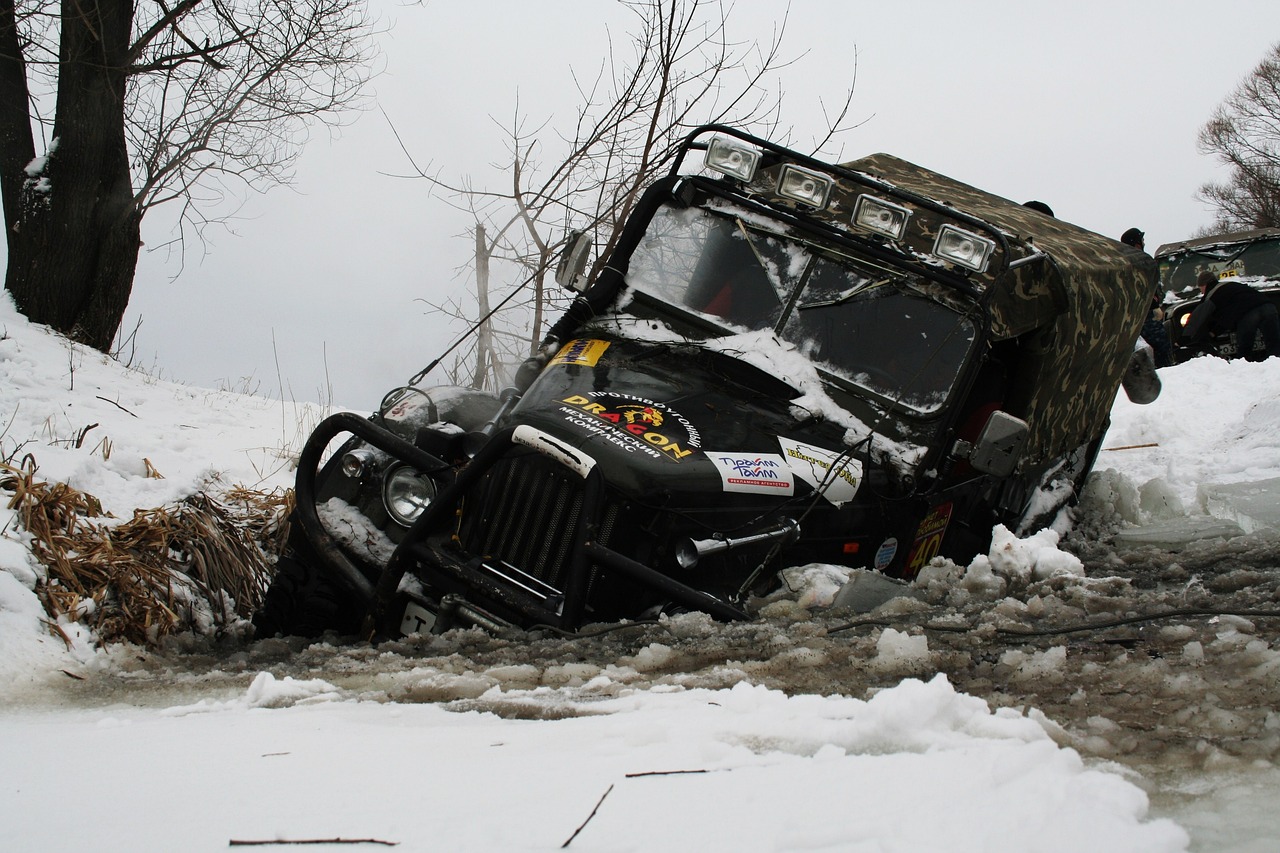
pixel 674 425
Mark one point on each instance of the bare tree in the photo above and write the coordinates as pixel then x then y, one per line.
pixel 1244 133
pixel 681 70
pixel 137 105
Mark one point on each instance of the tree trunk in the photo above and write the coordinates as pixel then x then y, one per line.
pixel 75 235
pixel 484 336
pixel 17 147
pixel 539 303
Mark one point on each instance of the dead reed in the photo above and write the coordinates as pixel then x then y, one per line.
pixel 199 565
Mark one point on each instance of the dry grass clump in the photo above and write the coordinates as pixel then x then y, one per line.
pixel 200 565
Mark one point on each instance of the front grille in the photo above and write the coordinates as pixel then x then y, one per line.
pixel 525 512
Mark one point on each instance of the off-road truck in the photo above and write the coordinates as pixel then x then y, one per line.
pixel 783 361
pixel 1251 257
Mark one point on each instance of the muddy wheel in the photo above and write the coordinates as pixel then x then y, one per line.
pixel 302 602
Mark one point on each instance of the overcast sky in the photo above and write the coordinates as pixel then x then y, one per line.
pixel 1091 107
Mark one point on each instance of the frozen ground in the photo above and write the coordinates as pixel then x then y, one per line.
pixel 1095 693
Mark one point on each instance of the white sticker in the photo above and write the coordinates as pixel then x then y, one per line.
pixel 887 551
pixel 406 405
pixel 417 620
pixel 813 465
pixel 759 473
pixel 553 448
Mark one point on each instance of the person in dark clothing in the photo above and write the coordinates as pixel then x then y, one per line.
pixel 1134 237
pixel 1153 330
pixel 1235 307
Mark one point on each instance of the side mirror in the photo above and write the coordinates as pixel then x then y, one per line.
pixel 999 446
pixel 1141 383
pixel 573 261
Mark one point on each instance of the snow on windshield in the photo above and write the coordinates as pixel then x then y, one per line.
pixel 859 320
pixel 782 360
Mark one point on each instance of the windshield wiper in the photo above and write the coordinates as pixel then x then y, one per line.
pixel 844 296
pixel 751 243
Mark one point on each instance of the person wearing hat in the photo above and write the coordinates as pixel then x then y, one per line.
pixel 1153 330
pixel 1231 306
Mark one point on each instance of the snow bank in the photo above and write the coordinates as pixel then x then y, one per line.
pixel 918 767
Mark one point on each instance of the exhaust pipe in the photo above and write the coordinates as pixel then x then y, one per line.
pixel 690 551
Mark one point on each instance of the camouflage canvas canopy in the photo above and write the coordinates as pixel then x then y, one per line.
pixel 1075 314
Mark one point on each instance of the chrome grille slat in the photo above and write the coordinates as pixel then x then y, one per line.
pixel 526 513
pixel 539 535
pixel 556 562
pixel 542 515
pixel 516 490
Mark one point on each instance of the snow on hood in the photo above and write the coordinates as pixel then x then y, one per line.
pixel 782 360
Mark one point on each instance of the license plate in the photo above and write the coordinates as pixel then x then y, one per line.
pixel 417 620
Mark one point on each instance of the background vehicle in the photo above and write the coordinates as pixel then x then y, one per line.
pixel 1252 257
pixel 784 361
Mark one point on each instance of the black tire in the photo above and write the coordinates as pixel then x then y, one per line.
pixel 302 602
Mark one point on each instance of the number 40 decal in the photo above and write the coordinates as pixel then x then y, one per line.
pixel 928 540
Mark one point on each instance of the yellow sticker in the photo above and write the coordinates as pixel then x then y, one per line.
pixel 584 352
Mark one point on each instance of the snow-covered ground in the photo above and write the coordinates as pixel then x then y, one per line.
pixel 936 723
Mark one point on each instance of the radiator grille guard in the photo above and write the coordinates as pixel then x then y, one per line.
pixel 526 514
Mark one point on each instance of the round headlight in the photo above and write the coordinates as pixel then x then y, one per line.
pixel 406 493
pixel 356 463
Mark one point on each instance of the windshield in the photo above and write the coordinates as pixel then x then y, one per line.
pixel 868 324
pixel 1257 258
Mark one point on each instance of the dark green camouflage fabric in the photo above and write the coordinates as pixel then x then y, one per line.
pixel 1255 252
pixel 1076 315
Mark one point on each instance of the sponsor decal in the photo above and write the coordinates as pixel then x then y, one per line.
pixel 758 473
pixel 885 553
pixel 633 423
pixel 928 540
pixel 407 404
pixel 814 465
pixel 583 353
